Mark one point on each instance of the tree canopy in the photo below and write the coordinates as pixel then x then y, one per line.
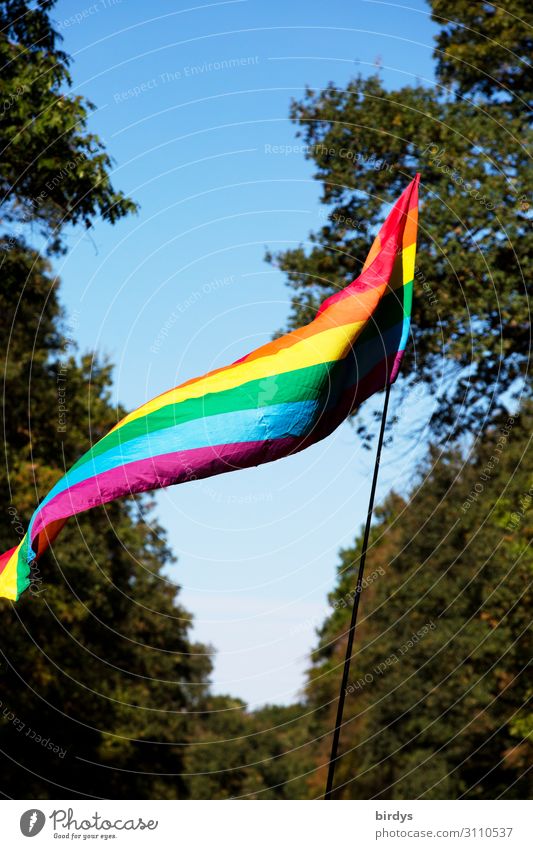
pixel 53 171
pixel 104 693
pixel 470 137
pixel 100 681
pixel 439 701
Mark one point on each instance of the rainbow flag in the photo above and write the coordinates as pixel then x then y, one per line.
pixel 273 402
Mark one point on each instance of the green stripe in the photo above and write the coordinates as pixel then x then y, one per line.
pixel 391 310
pixel 298 385
pixel 23 570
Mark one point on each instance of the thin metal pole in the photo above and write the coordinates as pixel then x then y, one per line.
pixel 355 607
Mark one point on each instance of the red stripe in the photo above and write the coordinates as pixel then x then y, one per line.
pixel 5 558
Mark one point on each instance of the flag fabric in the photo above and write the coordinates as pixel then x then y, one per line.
pixel 277 400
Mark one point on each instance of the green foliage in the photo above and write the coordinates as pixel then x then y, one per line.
pixel 97 658
pixel 100 682
pixel 471 319
pixel 438 705
pixel 486 48
pixel 264 754
pixel 103 693
pixel 53 172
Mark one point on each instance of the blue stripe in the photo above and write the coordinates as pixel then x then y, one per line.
pixel 274 422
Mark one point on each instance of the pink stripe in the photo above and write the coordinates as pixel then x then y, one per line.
pixel 396 365
pixel 179 467
pixel 157 472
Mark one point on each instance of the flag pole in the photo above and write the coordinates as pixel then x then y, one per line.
pixel 355 606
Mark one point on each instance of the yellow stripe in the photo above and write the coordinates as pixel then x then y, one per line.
pixel 403 269
pixel 8 578
pixel 323 347
pixel 408 262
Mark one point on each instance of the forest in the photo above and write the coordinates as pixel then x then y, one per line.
pixel 104 692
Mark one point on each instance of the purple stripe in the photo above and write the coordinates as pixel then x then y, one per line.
pixel 396 365
pixel 163 470
pixel 193 464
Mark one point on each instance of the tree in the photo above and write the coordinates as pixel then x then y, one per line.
pixel 53 171
pixel 260 754
pixel 439 704
pixel 486 49
pixel 100 682
pixel 469 138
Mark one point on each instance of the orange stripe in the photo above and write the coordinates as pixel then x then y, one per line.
pixel 373 252
pixel 409 234
pixel 339 314
pixel 342 312
pixel 351 310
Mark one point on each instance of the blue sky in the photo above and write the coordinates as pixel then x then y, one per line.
pixel 192 103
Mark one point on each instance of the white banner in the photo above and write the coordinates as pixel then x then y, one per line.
pixel 272 825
